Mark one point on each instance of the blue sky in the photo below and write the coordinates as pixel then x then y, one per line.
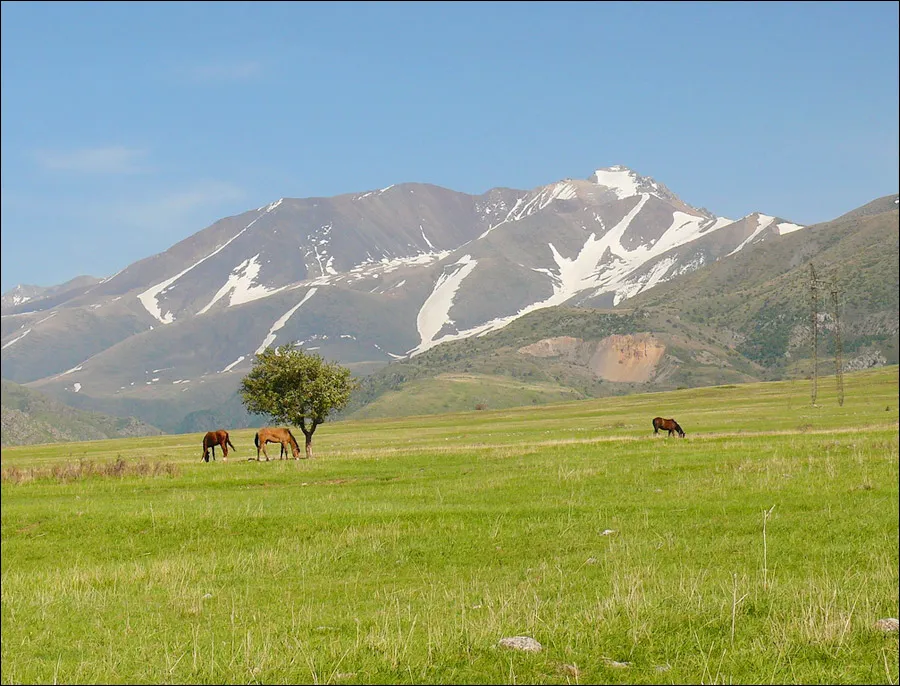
pixel 127 127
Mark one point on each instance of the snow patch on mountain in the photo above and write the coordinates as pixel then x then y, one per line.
pixel 620 180
pixel 717 224
pixel 433 249
pixel 386 265
pixel 231 366
pixel 29 330
pixel 150 298
pixel 240 285
pixel 492 207
pixel 645 281
pixel 576 275
pixel 281 321
pixel 16 339
pixel 573 276
pixel 270 206
pixel 323 260
pixel 434 312
pixel 534 202
pixel 763 222
pixel 684 229
pixel 524 207
pixel 787 227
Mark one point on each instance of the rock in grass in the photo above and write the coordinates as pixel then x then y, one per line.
pixel 888 624
pixel 571 670
pixel 525 643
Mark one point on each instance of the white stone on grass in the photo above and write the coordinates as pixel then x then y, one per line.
pixel 888 624
pixel 525 643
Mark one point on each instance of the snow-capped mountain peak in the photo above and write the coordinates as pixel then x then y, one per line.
pixel 626 183
pixel 368 277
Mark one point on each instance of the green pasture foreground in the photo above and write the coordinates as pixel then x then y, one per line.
pixel 762 548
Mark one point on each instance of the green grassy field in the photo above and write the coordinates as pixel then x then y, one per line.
pixel 762 548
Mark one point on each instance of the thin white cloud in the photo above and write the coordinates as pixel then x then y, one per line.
pixel 221 72
pixel 177 208
pixel 114 159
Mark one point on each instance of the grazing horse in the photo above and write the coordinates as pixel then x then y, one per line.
pixel 274 435
pixel 669 425
pixel 214 438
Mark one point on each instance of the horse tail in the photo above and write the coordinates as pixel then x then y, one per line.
pixel 256 440
pixel 228 441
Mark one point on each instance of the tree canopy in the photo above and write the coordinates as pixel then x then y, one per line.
pixel 296 387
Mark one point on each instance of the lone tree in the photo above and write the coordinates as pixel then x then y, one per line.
pixel 295 387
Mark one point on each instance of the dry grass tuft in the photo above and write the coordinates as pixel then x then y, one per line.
pixel 84 469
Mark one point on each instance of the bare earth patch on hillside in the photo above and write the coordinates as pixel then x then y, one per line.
pixel 620 358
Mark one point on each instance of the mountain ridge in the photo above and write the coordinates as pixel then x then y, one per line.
pixel 364 279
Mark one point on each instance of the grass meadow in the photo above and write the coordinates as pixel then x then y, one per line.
pixel 762 548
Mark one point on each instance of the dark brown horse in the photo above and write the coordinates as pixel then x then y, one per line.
pixel 214 438
pixel 271 434
pixel 669 425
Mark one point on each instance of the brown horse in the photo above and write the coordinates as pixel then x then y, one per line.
pixel 275 435
pixel 669 425
pixel 214 438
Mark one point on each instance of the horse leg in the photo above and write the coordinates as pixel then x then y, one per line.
pixel 224 449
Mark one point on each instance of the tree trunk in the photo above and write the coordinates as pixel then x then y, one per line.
pixel 308 433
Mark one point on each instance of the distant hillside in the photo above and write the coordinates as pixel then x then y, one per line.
pixel 23 293
pixel 762 297
pixel 550 355
pixel 28 417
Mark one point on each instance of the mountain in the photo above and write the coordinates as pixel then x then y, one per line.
pixel 366 279
pixel 22 293
pixel 735 320
pixel 30 417
pixel 762 299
